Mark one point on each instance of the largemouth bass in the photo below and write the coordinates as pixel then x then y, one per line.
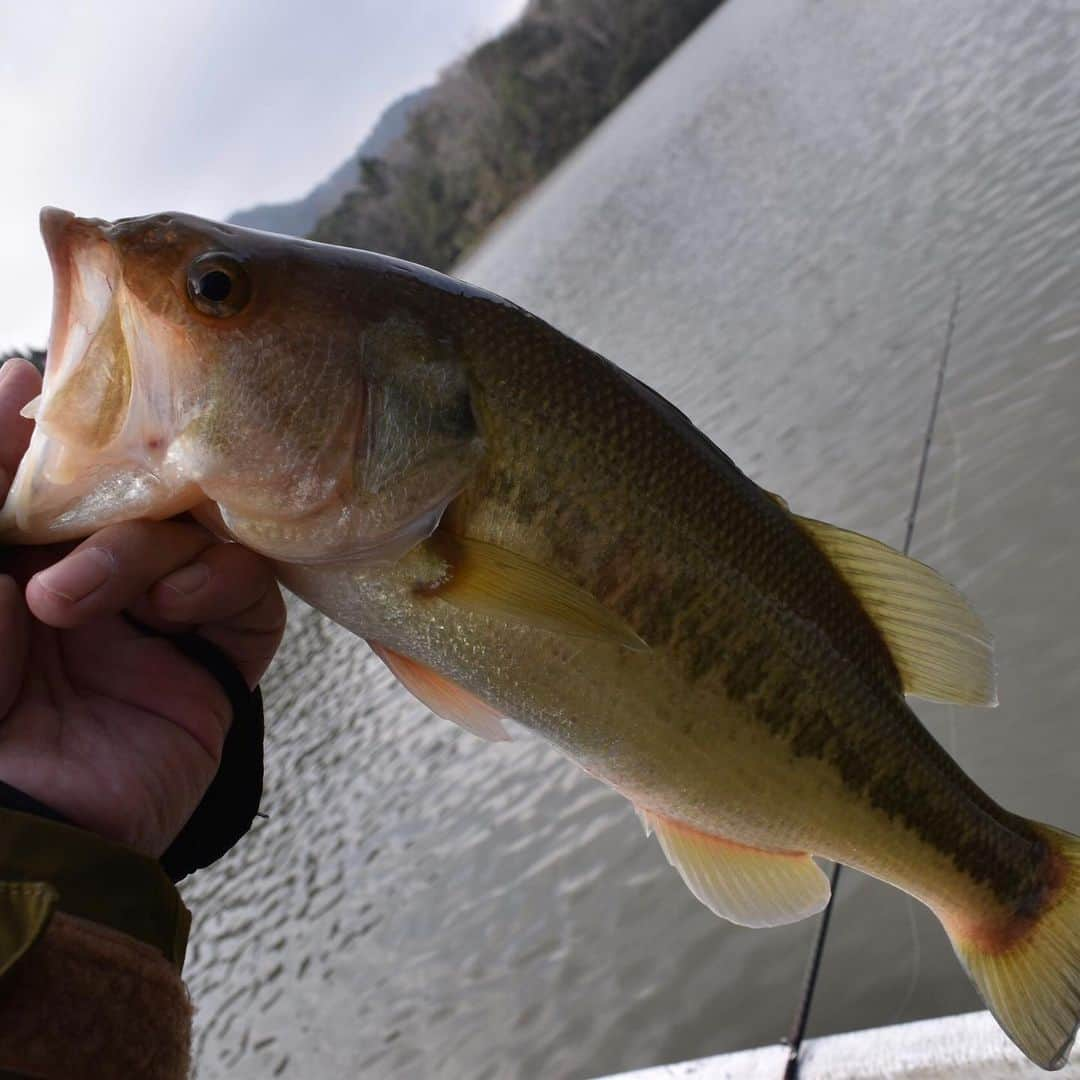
pixel 520 529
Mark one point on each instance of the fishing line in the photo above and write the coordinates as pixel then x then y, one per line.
pixel 797 1032
pixel 950 520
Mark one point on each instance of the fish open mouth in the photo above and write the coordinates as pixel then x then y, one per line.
pixel 81 471
pixel 85 274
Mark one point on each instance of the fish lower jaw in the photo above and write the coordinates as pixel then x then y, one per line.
pixel 122 497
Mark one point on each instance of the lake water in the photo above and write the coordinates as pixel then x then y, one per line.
pixel 771 233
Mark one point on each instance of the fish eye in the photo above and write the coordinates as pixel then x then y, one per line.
pixel 218 284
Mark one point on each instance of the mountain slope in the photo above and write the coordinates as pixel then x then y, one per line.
pixel 500 120
pixel 299 218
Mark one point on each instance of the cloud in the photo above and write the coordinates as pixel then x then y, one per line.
pixel 127 108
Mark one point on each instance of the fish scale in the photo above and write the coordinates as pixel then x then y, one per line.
pixel 561 397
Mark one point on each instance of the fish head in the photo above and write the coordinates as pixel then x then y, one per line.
pixel 293 395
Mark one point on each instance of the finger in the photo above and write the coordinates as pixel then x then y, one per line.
pixel 112 569
pixel 231 595
pixel 251 638
pixel 224 581
pixel 19 383
pixel 15 635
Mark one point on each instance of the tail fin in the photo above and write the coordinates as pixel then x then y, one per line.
pixel 1031 983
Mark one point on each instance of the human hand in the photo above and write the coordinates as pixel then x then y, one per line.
pixel 100 718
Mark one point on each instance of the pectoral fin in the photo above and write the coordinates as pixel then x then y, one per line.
pixel 492 580
pixel 939 645
pixel 749 886
pixel 443 697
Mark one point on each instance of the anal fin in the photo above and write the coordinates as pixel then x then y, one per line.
pixel 747 885
pixel 442 696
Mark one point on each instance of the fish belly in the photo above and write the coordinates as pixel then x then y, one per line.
pixel 804 762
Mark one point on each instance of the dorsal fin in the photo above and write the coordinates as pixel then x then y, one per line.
pixel 442 696
pixel 749 886
pixel 941 648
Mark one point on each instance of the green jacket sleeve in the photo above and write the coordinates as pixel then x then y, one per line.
pixel 92 939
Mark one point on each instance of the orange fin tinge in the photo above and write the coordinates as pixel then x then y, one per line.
pixel 747 885
pixel 1030 979
pixel 442 696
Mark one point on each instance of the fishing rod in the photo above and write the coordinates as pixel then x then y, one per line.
pixel 797 1032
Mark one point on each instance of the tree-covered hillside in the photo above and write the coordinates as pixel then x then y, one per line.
pixel 497 122
pixel 300 217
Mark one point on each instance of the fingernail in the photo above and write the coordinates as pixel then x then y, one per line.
pixel 8 368
pixel 188 579
pixel 77 576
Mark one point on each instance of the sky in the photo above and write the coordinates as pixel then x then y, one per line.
pixel 210 106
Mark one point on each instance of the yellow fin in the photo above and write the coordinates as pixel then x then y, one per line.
pixel 779 500
pixel 749 886
pixel 444 697
pixel 494 581
pixel 939 645
pixel 1028 973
